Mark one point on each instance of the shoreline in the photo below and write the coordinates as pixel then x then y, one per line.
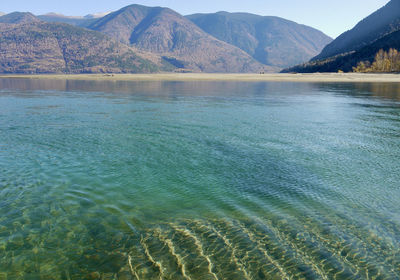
pixel 314 77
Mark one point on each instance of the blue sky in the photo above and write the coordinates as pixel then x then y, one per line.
pixel 331 17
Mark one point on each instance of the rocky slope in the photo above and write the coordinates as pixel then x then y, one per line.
pixel 270 40
pixel 39 47
pixel 164 32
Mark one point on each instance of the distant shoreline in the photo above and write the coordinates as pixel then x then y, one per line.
pixel 315 77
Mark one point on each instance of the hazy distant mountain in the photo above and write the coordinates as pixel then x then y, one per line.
pixel 18 18
pixel 73 20
pixel 165 32
pixel 40 47
pixel 270 40
pixel 372 28
pixel 2 14
pixel 96 15
pixel 82 21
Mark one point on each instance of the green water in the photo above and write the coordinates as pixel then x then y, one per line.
pixel 199 180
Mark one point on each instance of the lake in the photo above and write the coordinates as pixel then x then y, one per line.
pixel 199 180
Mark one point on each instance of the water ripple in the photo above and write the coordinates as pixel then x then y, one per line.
pixel 199 181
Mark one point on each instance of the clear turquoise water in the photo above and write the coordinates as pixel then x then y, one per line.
pixel 199 180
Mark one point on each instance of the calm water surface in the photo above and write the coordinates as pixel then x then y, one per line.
pixel 199 180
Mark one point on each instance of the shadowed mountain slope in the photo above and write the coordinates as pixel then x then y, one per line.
pixel 180 41
pixel 346 62
pixel 270 40
pixel 377 25
pixel 378 31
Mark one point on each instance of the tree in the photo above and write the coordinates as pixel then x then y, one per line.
pixel 385 62
pixel 362 67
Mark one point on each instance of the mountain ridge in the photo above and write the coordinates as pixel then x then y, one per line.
pixel 172 42
pixel 19 18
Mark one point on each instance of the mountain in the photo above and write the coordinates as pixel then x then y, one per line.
pixel 40 47
pixel 270 40
pixel 378 31
pixel 2 14
pixel 346 62
pixel 372 28
pixel 73 20
pixel 18 18
pixel 165 32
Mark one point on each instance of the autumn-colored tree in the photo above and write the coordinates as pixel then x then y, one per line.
pixel 362 67
pixel 385 62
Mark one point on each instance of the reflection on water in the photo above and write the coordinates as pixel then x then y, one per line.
pixel 199 180
pixel 389 91
pixel 147 88
pixel 160 88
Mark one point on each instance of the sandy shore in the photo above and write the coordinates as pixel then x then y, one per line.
pixel 318 77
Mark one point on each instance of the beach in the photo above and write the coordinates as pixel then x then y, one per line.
pixel 276 77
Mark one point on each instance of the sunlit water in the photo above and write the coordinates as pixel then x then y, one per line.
pixel 199 180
